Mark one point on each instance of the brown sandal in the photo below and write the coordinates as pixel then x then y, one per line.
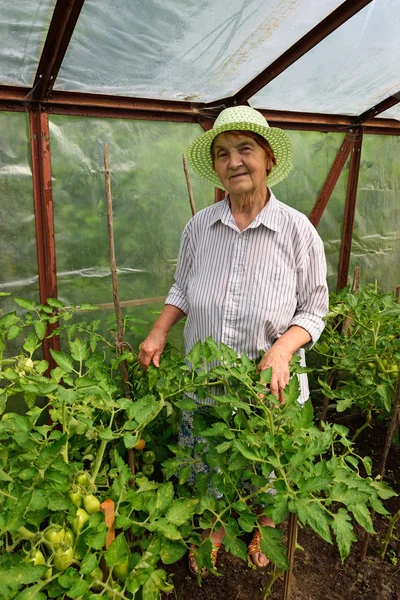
pixel 255 548
pixel 192 561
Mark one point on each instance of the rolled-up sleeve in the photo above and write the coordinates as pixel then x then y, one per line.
pixel 312 293
pixel 177 295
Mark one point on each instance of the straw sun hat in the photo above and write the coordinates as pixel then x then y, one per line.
pixel 241 118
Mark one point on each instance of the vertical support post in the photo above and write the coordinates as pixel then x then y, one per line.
pixel 349 211
pixel 292 541
pixel 43 206
pixel 332 178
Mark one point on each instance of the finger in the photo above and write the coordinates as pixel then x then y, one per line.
pixel 281 397
pixel 156 359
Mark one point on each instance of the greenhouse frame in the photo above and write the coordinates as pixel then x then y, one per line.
pixel 327 71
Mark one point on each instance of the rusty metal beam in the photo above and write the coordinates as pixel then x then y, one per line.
pixel 349 211
pixel 43 206
pixel 65 16
pixel 95 105
pixel 331 180
pixel 379 108
pixel 339 16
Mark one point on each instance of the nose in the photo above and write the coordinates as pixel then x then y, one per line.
pixel 235 160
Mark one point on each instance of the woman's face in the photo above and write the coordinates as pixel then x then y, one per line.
pixel 240 163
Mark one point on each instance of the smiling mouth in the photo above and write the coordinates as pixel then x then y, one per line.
pixel 238 175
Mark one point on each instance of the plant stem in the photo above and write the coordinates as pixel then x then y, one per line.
pixel 392 522
pixel 274 576
pixel 364 426
pixel 99 459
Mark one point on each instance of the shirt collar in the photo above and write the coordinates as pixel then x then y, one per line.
pixel 269 216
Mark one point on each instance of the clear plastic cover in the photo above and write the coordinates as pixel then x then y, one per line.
pixel 313 155
pixel 376 235
pixel 181 50
pixel 351 70
pixel 150 205
pixel 18 257
pixel 23 30
pixel 391 113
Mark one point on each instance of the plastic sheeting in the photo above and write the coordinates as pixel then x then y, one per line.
pixel 391 113
pixel 376 235
pixel 23 29
pixel 313 155
pixel 182 50
pixel 150 204
pixel 351 70
pixel 18 259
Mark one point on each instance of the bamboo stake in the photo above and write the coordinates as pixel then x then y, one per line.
pixel 189 185
pixel 292 541
pixel 114 276
pixel 382 466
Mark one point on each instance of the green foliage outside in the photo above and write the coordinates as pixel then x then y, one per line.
pixel 52 535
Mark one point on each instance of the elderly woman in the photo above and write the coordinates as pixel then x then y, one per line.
pixel 251 271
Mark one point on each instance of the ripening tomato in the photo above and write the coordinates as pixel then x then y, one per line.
pixel 140 445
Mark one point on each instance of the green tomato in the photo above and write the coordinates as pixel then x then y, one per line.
pixel 76 498
pixel 63 560
pixel 121 571
pixel 94 577
pixel 83 479
pixel 80 520
pixel 148 469
pixel 69 537
pixel 37 558
pixel 130 359
pixel 111 593
pixel 149 457
pixel 54 537
pixel 91 504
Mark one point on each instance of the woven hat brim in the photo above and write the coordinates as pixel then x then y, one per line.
pixel 199 151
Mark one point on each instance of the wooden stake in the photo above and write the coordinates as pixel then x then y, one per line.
pixel 189 185
pixel 397 294
pixel 114 276
pixel 292 541
pixel 382 466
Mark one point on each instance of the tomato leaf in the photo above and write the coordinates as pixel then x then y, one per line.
pixel 63 360
pixel 343 530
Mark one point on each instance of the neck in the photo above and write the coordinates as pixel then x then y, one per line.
pixel 245 207
pixel 249 203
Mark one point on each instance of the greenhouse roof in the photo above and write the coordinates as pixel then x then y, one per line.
pixel 306 63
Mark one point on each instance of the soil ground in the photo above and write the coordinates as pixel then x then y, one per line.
pixel 318 572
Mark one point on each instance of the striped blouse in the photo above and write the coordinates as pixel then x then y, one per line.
pixel 246 288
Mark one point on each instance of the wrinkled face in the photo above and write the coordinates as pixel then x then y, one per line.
pixel 240 163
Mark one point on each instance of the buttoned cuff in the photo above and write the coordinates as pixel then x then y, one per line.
pixel 311 323
pixel 177 297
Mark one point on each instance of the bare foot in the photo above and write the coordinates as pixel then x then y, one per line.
pixel 258 558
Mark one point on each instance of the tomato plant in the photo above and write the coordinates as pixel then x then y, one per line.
pixel 49 471
pixel 365 361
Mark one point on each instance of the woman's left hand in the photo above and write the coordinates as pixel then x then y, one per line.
pixel 278 358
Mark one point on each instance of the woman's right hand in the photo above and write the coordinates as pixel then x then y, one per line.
pixel 151 349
